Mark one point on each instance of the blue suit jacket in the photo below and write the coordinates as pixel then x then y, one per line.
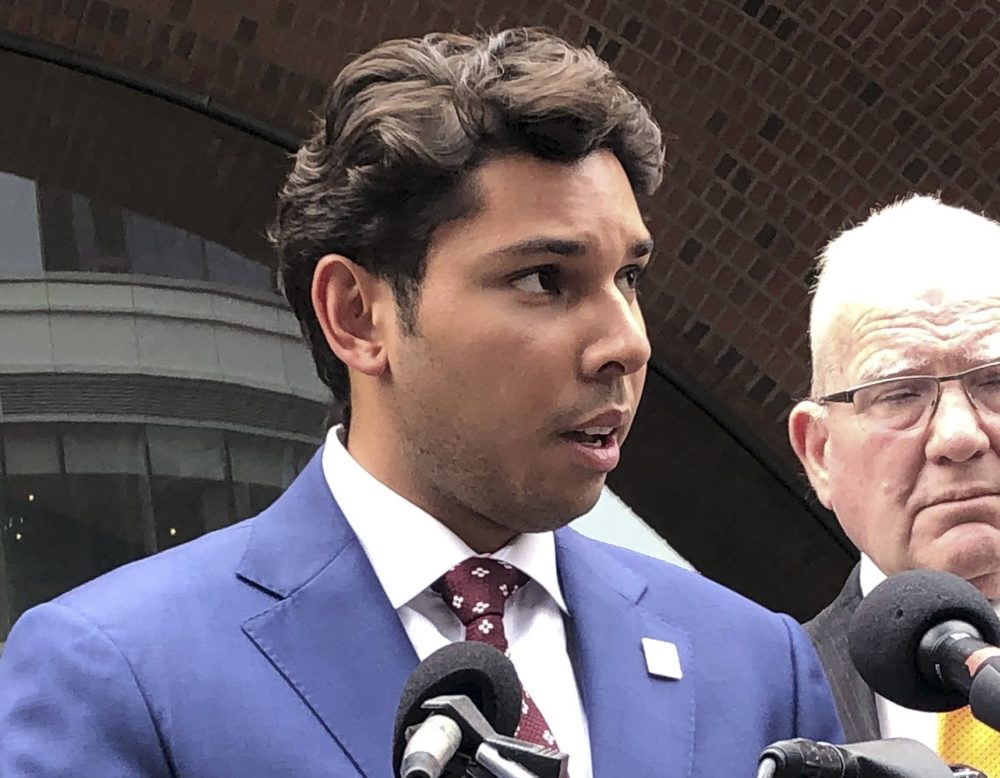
pixel 269 649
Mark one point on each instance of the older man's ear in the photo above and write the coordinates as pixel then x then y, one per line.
pixel 809 436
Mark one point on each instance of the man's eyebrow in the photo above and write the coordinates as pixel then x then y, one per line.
pixel 642 247
pixel 903 368
pixel 893 369
pixel 534 246
pixel 564 248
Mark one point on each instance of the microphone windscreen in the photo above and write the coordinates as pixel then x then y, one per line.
pixel 890 622
pixel 476 670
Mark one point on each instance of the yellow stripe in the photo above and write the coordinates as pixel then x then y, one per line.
pixel 963 740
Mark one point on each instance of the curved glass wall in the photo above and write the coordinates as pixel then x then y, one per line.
pixel 49 229
pixel 77 500
pixel 96 177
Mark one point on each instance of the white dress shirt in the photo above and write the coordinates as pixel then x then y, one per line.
pixel 409 550
pixel 895 720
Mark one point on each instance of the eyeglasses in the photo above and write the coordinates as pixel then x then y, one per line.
pixel 909 401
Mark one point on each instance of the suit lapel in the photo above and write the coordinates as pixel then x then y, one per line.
pixel 639 724
pixel 351 678
pixel 855 700
pixel 332 634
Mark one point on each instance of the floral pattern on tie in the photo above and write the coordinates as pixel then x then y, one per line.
pixel 477 591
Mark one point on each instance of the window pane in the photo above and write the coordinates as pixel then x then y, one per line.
pixel 109 510
pixel 20 242
pixel 156 249
pixel 55 213
pixel 30 448
pixel 259 460
pixel 76 500
pixel 231 269
pixel 103 449
pixel 251 499
pixel 186 452
pixel 100 236
pixel 188 507
pixel 50 548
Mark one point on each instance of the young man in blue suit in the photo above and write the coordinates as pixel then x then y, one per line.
pixel 461 242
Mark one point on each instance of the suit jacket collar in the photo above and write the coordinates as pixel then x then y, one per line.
pixel 638 724
pixel 297 536
pixel 828 630
pixel 336 639
pixel 332 634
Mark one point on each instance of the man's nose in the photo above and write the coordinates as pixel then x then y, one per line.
pixel 620 344
pixel 956 428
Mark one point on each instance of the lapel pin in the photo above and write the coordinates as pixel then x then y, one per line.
pixel 662 659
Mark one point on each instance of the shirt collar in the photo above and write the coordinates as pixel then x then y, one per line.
pixel 408 548
pixel 869 576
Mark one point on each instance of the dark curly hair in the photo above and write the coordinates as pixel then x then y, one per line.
pixel 402 128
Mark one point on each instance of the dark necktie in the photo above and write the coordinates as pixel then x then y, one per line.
pixel 477 591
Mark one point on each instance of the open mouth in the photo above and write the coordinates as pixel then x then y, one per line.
pixel 596 447
pixel 593 437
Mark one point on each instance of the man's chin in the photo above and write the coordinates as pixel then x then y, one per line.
pixel 989 585
pixel 977 561
pixel 584 501
pixel 559 510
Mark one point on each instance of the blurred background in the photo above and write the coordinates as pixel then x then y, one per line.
pixel 153 385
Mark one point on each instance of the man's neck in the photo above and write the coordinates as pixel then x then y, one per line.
pixel 478 532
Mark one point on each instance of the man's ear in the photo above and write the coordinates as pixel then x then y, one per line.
pixel 348 301
pixel 809 434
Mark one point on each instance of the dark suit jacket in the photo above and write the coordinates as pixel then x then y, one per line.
pixel 855 700
pixel 269 648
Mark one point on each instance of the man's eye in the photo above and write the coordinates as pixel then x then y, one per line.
pixel 989 379
pixel 902 394
pixel 632 276
pixel 628 279
pixel 543 280
pixel 897 397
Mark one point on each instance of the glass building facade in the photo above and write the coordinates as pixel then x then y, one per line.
pixel 153 386
pixel 49 229
pixel 77 500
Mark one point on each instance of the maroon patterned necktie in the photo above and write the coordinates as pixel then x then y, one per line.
pixel 477 591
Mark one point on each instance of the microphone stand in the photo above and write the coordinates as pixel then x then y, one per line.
pixel 889 758
pixel 489 755
pixel 489 759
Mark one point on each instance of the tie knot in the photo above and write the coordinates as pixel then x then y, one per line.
pixel 479 587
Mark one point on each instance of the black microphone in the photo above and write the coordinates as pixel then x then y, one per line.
pixel 892 758
pixel 927 640
pixel 469 669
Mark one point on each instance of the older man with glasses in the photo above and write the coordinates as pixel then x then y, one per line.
pixel 901 438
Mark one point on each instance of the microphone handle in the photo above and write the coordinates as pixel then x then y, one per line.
pixel 430 747
pixel 890 758
pixel 896 758
pixel 801 757
pixel 489 758
pixel 768 768
pixel 955 652
pixel 984 693
pixel 944 650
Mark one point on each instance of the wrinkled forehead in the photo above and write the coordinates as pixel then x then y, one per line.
pixel 928 334
pixel 919 281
